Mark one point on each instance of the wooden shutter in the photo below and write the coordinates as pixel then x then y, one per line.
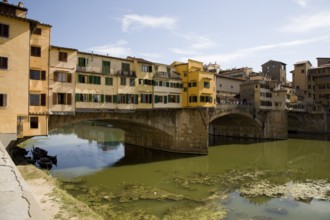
pixel 43 100
pixel 136 99
pixel 77 97
pixel 43 75
pixel 69 99
pixel 69 77
pixel 54 98
pixel 55 76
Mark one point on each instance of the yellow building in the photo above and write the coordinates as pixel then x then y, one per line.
pixel 14 68
pixel 198 85
pixel 38 82
pixel 62 69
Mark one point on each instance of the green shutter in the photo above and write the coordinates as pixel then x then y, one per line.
pixel 90 98
pixel 90 79
pixel 77 97
pixel 136 99
pixel 165 99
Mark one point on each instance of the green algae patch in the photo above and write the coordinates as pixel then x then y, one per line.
pixel 134 192
pixel 207 212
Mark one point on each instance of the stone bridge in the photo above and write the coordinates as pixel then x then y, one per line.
pixel 185 130
pixel 317 122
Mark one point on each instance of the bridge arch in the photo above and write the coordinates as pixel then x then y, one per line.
pixel 174 130
pixel 238 124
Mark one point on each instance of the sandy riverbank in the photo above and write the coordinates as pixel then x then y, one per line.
pixel 55 202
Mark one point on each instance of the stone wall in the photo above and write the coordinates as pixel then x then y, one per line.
pixel 308 122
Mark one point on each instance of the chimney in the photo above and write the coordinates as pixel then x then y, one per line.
pixel 5 1
pixel 20 4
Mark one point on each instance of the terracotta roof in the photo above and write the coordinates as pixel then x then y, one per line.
pixel 13 6
pixel 302 62
pixel 64 48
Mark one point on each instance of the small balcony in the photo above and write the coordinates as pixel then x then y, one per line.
pixel 126 73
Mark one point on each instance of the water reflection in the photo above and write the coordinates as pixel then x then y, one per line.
pixel 130 178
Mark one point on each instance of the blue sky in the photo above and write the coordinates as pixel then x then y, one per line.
pixel 233 33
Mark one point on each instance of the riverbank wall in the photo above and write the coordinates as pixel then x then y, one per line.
pixel 16 201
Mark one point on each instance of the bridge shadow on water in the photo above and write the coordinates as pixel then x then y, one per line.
pixel 215 141
pixel 139 155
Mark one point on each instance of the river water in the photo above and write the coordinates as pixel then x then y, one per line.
pixel 238 179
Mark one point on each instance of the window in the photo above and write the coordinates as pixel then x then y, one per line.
pixel 34 122
pixel 192 98
pixel 105 67
pixel 82 79
pixel 81 97
pixel 97 98
pixel 207 85
pixel 35 51
pixel 82 62
pixel 94 80
pixel 192 84
pixel 108 81
pixel 4 30
pixel 205 99
pixel 174 98
pixel 146 98
pixel 125 67
pixel 131 81
pixel 3 63
pixel 37 99
pixel 122 81
pixel 37 31
pixel 3 100
pixel 62 98
pixel 62 56
pixel 62 77
pixel 37 74
pixel 146 68
pixel 108 99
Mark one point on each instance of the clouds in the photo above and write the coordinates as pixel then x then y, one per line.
pixel 307 23
pixel 118 49
pixel 131 22
pixel 301 3
pixel 252 51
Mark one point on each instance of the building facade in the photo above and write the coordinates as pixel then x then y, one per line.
pixel 275 70
pixel 198 85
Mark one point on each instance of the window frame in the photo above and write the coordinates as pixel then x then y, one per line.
pixel 34 122
pixel 4 63
pixel 3 100
pixel 4 30
pixel 35 51
pixel 63 56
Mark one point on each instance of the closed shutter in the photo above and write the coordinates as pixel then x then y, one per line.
pixel 69 77
pixel 136 99
pixel 43 100
pixel 54 98
pixel 55 76
pixel 69 99
pixel 77 97
pixel 43 75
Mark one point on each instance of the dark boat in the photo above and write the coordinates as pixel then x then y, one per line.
pixel 39 153
pixel 45 163
pixel 42 159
